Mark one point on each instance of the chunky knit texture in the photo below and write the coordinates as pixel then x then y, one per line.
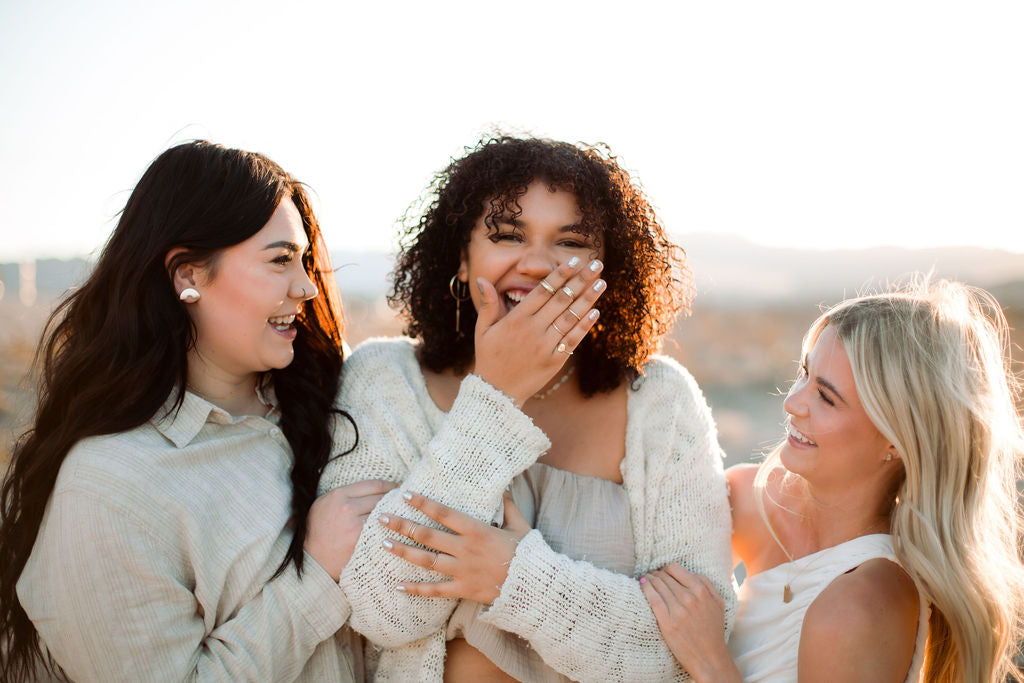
pixel 588 623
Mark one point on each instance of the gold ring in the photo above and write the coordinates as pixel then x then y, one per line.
pixel 562 348
pixel 547 285
pixel 571 294
pixel 557 330
pixel 575 314
pixel 434 562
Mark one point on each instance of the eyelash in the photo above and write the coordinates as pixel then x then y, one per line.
pixel 510 236
pixel 821 394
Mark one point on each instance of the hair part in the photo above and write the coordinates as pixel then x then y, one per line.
pixel 125 333
pixel 649 284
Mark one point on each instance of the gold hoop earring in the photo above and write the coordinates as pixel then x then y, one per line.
pixel 459 292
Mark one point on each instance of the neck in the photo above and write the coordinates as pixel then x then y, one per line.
pixel 236 394
pixel 828 520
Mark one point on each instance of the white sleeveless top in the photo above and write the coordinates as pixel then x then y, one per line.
pixel 766 639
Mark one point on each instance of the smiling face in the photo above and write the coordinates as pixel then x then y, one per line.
pixel 517 253
pixel 831 439
pixel 249 298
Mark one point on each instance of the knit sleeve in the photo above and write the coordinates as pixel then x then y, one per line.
pixel 111 603
pixel 482 443
pixel 593 624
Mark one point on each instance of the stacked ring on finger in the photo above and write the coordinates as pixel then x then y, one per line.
pixel 547 285
pixel 434 561
pixel 557 329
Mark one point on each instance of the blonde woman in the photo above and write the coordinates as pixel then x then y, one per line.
pixel 881 539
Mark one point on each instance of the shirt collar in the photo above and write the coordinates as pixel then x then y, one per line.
pixel 181 425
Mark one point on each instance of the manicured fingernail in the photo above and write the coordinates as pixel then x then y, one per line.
pixel 387 544
pixel 593 314
pixel 643 579
pixel 479 285
pixel 400 588
pixel 407 495
pixel 595 265
pixel 599 285
pixel 574 261
pixel 384 519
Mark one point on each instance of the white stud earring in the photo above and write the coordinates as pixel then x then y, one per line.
pixel 189 295
pixel 888 457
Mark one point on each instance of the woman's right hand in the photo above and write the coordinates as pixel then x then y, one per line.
pixel 336 519
pixel 520 352
pixel 691 617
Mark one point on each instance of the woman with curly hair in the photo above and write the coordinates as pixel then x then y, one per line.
pixel 513 380
pixel 159 518
pixel 882 538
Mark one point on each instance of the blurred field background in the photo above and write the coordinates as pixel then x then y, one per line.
pixel 741 342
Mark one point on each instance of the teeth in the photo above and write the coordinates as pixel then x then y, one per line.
pixel 282 322
pixel 515 296
pixel 800 437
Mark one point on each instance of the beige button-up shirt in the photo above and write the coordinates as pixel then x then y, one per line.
pixel 155 556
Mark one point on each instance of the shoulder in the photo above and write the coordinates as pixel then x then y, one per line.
pixel 381 352
pixel 868 614
pixel 380 366
pixel 663 373
pixel 117 471
pixel 741 485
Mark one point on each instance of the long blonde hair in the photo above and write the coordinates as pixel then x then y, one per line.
pixel 932 366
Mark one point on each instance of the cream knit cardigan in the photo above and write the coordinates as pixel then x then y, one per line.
pixel 587 623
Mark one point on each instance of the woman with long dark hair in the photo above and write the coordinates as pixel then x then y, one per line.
pixel 609 449
pixel 159 520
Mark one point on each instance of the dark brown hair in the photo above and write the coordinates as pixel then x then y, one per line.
pixel 648 281
pixel 124 334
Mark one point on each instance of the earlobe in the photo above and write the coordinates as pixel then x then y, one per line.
pixel 463 272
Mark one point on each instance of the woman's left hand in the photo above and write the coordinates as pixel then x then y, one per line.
pixel 476 555
pixel 691 616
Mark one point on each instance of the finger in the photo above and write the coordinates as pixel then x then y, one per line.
pixel 579 309
pixel 681 595
pixel 568 343
pixel 695 583
pixel 418 533
pixel 490 306
pixel 457 521
pixel 363 505
pixel 514 520
pixel 668 599
pixel 556 279
pixel 575 287
pixel 654 599
pixel 440 589
pixel 428 559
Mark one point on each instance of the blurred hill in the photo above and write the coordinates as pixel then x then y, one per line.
pixel 753 305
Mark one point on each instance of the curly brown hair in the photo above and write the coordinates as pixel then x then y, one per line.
pixel 649 284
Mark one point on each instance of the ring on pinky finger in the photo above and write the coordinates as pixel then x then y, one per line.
pixel 562 348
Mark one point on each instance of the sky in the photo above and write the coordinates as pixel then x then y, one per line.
pixel 809 124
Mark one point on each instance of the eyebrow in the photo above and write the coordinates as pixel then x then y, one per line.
pixel 283 244
pixel 505 219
